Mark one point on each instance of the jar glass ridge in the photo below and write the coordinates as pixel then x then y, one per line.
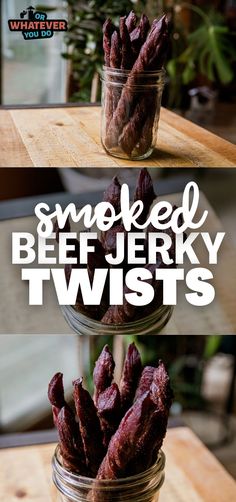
pixel 84 325
pixel 143 487
pixel 130 112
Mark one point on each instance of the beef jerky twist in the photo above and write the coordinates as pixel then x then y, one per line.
pixel 130 377
pixel 56 395
pixel 115 54
pixel 131 21
pixel 145 381
pixel 163 396
pixel 130 136
pixel 150 442
pixel 109 412
pixel 89 427
pixel 112 93
pixel 103 372
pixel 112 195
pixel 108 29
pixel 139 35
pixel 126 52
pixel 56 391
pixel 161 389
pixel 144 192
pixel 146 138
pixel 122 446
pixel 141 131
pixel 71 446
pixel 58 230
pixel 147 60
pixel 115 314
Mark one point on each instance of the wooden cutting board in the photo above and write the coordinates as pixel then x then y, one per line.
pixel 70 137
pixel 192 473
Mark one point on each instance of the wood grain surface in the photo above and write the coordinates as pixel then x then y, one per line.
pixel 219 317
pixel 70 137
pixel 192 473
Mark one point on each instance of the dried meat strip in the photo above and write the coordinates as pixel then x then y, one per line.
pixel 112 93
pixel 130 376
pixel 139 35
pixel 153 435
pixel 131 133
pixel 109 412
pixel 150 58
pixel 122 447
pixel 144 192
pixel 131 21
pixel 108 29
pixel 89 427
pixel 145 381
pixel 56 395
pixel 103 372
pixel 126 51
pixel 71 445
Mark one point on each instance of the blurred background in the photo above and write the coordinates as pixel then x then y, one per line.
pixel 201 64
pixel 202 371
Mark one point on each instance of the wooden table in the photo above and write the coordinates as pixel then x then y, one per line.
pixel 70 137
pixel 192 473
pixel 217 318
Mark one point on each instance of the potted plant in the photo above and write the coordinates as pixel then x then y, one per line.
pixel 201 55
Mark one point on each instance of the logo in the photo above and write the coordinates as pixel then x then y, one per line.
pixel 34 24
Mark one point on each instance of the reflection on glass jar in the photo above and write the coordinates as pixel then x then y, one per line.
pixel 130 112
pixel 151 324
pixel 144 487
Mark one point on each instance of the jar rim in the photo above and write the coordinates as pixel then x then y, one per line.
pixel 119 71
pixel 116 77
pixel 75 479
pixel 128 325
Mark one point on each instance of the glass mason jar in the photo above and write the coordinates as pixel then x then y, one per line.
pixel 130 112
pixel 84 325
pixel 144 487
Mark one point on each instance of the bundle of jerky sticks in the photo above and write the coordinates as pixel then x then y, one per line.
pixel 119 432
pixel 139 48
pixel 125 313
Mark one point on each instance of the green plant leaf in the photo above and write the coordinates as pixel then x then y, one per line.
pixel 203 60
pixel 189 73
pixel 222 65
pixel 172 68
pixel 212 345
pixel 209 71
